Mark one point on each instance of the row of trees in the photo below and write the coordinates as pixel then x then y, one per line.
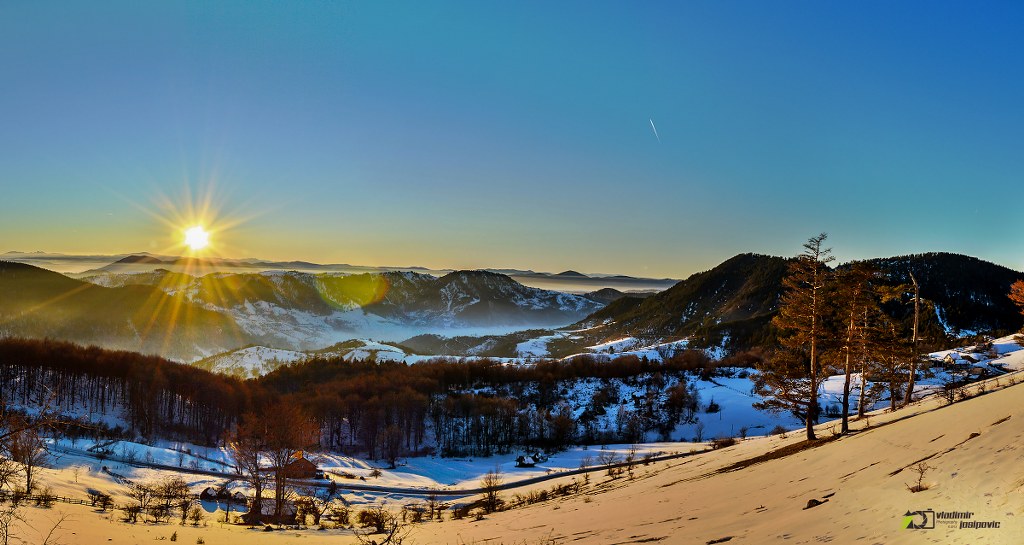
pixel 155 395
pixel 840 321
pixel 383 410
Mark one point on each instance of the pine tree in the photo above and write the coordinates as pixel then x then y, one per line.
pixel 893 352
pixel 791 379
pixel 856 299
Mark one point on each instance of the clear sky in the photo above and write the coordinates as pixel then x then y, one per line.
pixel 515 134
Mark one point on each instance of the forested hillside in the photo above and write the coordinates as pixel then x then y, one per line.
pixel 43 304
pixel 732 305
pixel 378 409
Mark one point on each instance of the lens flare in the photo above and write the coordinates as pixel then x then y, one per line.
pixel 348 292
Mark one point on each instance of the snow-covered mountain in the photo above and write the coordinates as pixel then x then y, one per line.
pixel 307 311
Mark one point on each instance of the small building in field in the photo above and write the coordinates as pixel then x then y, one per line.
pixel 525 461
pixel 302 468
pixel 531 459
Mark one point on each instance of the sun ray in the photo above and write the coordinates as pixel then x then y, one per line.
pixel 198 228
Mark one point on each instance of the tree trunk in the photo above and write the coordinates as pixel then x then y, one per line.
pixel 845 427
pixel 812 401
pixel 913 355
pixel 863 388
pixel 863 369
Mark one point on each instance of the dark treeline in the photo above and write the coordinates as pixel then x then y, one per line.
pixel 154 395
pixel 384 410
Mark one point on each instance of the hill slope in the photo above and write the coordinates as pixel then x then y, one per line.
pixel 40 303
pixel 973 449
pixel 967 294
pixel 736 300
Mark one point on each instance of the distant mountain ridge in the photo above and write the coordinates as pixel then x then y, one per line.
pixel 91 266
pixel 460 297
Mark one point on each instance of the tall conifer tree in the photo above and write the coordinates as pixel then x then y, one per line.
pixel 791 378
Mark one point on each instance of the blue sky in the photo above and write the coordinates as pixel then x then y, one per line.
pixel 515 134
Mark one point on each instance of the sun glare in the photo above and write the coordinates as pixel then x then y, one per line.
pixel 196 238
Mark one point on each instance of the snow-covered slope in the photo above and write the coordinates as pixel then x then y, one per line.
pixel 251 361
pixel 972 451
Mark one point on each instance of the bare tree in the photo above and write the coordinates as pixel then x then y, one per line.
pixel 247 447
pixel 288 431
pixel 432 504
pixel 171 493
pixel 391 444
pixel 8 469
pixel 913 342
pixel 490 484
pixel 341 513
pixel 585 464
pixel 631 460
pixel 142 498
pixel 28 449
pixel 12 523
pixel 315 501
pixel 856 299
pixel 608 458
pixel 9 518
pixel 384 527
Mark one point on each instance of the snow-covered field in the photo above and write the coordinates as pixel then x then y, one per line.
pixel 853 474
pixel 973 450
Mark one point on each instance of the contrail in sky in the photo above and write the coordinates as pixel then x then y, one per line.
pixel 655 129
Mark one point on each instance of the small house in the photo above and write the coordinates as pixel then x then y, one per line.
pixel 301 468
pixel 525 461
pixel 531 459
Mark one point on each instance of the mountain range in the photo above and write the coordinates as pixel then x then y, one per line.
pixel 92 265
pixel 463 313
pixel 188 317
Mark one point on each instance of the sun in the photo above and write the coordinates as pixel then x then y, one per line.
pixel 196 238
